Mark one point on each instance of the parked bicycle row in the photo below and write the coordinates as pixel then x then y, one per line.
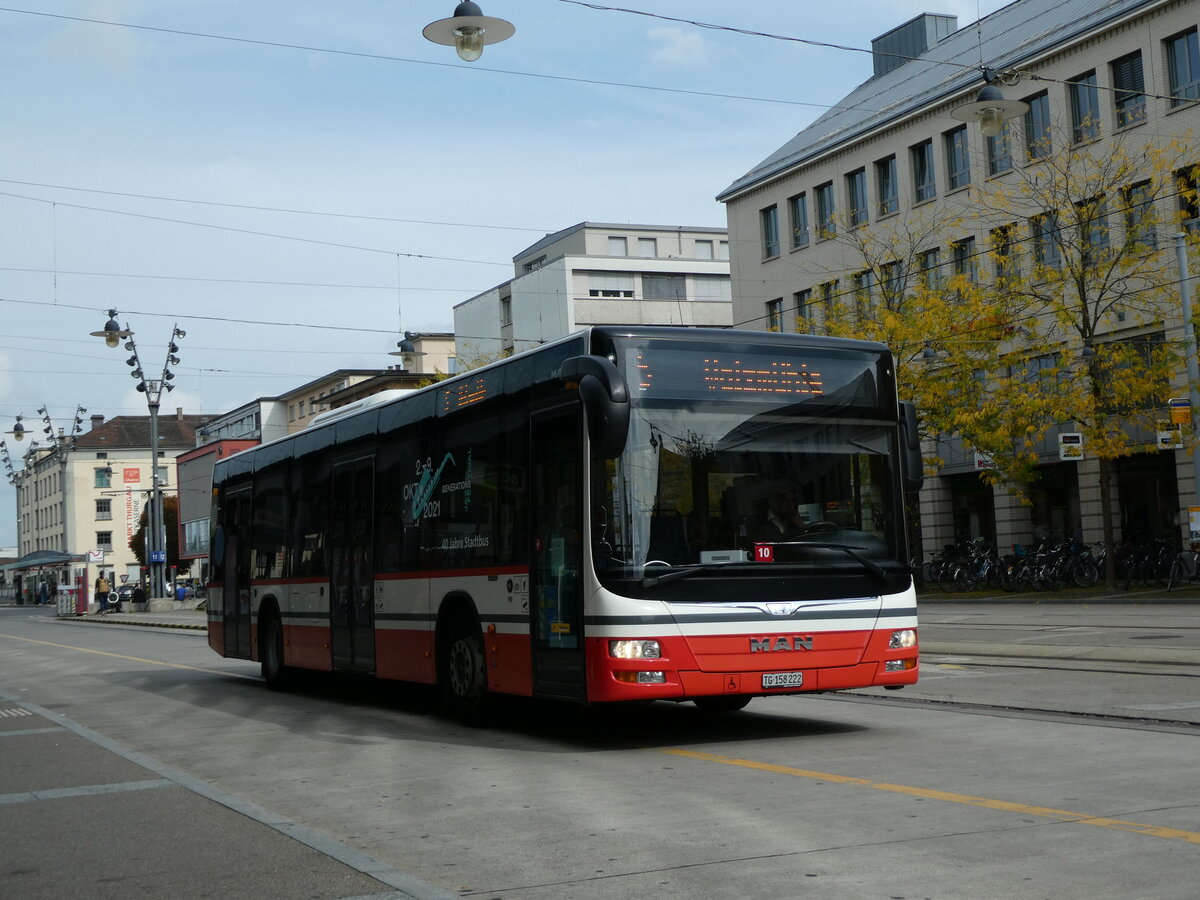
pixel 1051 566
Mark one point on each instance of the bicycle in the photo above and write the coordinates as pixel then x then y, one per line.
pixel 1185 568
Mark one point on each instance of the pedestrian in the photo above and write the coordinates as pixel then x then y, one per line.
pixel 181 592
pixel 102 592
pixel 138 595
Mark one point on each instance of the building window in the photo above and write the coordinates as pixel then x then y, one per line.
pixel 924 184
pixel 1189 201
pixel 664 287
pixel 775 315
pixel 826 210
pixel 534 265
pixel 103 509
pixel 647 248
pixel 885 186
pixel 856 193
pixel 300 407
pixel 610 284
pixel 958 161
pixel 892 281
pixel 104 541
pixel 1183 68
pixel 704 249
pixel 723 250
pixel 1037 126
pixel 999 152
pixel 1139 216
pixel 1085 108
pixel 1092 216
pixel 1004 252
pixel 964 261
pixel 804 310
pixel 864 294
pixel 617 246
pixel 769 218
pixel 103 477
pixel 711 287
pixel 931 268
pixel 829 293
pixel 1129 89
pixel 798 213
pixel 1044 229
pixel 505 311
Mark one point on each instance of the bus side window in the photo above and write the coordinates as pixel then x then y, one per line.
pixel 310 485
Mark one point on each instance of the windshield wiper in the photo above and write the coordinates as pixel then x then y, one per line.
pixel 675 574
pixel 870 565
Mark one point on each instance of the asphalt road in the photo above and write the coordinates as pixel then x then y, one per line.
pixel 136 762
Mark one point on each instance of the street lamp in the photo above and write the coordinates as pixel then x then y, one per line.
pixel 156 533
pixel 18 430
pixel 468 30
pixel 407 351
pixel 989 107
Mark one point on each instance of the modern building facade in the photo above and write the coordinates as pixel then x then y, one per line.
pixel 595 274
pixel 892 155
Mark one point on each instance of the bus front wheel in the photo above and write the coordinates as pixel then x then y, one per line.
pixel 464 677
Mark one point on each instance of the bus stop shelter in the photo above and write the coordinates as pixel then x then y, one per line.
pixel 68 571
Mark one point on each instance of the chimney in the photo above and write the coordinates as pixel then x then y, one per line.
pixel 97 421
pixel 179 414
pixel 914 37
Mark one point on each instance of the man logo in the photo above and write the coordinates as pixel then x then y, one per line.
pixel 773 645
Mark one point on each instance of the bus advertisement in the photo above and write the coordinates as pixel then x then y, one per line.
pixel 627 513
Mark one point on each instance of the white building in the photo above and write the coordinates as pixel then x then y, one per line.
pixel 593 274
pixel 87 493
pixel 890 157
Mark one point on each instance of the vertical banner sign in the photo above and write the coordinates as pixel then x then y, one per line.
pixel 1194 522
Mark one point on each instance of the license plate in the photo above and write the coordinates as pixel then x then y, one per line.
pixel 782 679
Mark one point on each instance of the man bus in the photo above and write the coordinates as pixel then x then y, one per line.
pixel 589 521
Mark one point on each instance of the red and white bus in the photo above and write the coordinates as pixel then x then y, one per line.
pixel 628 513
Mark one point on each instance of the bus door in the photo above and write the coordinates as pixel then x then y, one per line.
pixel 556 520
pixel 235 589
pixel 352 568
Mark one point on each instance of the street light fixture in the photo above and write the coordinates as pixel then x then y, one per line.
pixel 18 430
pixel 989 107
pixel 468 30
pixel 156 535
pixel 112 332
pixel 407 351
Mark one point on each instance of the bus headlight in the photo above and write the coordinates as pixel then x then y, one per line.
pixel 903 640
pixel 634 649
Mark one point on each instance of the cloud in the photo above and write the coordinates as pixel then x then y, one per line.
pixel 678 48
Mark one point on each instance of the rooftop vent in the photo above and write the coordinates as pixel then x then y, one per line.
pixel 893 49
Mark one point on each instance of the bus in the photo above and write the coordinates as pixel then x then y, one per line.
pixel 624 514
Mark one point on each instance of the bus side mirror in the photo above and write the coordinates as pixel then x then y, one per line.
pixel 605 397
pixel 912 468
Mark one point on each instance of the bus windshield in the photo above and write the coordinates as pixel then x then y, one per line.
pixel 744 463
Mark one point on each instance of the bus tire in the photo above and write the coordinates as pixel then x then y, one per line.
pixel 270 651
pixel 462 673
pixel 723 704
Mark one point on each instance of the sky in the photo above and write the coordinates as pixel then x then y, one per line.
pixel 295 182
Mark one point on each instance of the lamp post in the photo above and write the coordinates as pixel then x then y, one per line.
pixel 468 30
pixel 156 534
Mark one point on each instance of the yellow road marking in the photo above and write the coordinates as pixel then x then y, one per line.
pixel 1061 815
pixel 153 662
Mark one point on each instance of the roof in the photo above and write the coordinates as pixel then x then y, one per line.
pixel 1009 37
pixel 174 430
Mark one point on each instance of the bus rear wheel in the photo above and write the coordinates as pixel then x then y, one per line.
pixel 270 652
pixel 463 676
pixel 723 704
